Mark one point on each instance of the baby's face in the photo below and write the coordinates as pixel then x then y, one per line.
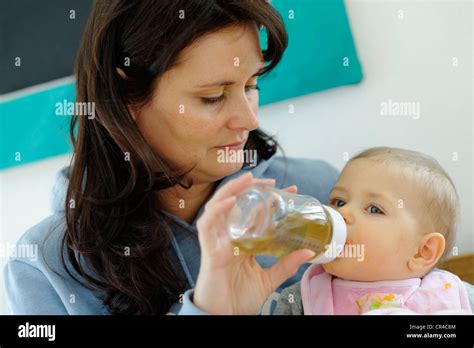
pixel 379 208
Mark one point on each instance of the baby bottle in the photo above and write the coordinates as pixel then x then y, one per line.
pixel 269 221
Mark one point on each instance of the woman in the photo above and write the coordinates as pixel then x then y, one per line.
pixel 175 86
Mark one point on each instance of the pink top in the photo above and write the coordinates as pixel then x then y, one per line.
pixel 325 294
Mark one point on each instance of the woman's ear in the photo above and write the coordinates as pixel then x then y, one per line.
pixel 429 251
pixel 132 112
pixel 122 74
pixel 125 77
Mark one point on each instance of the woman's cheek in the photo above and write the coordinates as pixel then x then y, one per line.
pixel 196 131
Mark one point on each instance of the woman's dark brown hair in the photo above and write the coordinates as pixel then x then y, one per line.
pixel 110 205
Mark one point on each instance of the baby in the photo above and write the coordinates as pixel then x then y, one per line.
pixel 402 207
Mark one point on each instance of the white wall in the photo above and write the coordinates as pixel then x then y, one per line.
pixel 25 201
pixel 405 60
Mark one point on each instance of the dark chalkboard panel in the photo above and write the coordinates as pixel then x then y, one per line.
pixel 45 37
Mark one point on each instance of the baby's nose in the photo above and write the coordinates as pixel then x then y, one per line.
pixel 347 215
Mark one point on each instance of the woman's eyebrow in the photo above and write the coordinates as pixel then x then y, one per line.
pixel 224 82
pixel 218 83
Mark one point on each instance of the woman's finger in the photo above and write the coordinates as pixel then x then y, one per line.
pixel 291 189
pixel 236 189
pixel 208 237
pixel 264 181
pixel 287 266
pixel 233 187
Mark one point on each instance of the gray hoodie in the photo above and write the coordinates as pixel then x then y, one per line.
pixel 40 285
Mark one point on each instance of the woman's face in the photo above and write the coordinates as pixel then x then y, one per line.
pixel 206 101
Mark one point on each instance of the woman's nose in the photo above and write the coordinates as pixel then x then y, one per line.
pixel 243 116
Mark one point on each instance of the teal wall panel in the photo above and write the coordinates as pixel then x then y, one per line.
pixel 319 40
pixel 30 126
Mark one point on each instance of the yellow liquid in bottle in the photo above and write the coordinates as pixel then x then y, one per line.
pixel 293 232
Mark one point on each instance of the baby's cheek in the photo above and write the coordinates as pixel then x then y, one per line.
pixel 337 268
pixel 376 253
pixel 408 243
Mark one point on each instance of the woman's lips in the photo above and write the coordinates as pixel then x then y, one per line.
pixel 234 146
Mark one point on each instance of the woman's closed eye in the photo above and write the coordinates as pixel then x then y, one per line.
pixel 218 99
pixel 214 100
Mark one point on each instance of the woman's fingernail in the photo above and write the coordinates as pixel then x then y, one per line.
pixel 230 199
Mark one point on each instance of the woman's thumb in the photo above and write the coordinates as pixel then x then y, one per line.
pixel 287 266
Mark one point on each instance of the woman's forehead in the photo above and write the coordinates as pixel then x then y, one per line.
pixel 233 49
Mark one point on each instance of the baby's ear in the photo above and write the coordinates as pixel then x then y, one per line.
pixel 429 251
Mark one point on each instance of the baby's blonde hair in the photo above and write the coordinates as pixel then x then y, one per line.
pixel 438 194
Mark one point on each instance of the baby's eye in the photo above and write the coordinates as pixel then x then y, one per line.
pixel 338 202
pixel 374 210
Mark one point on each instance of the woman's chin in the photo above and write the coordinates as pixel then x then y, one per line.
pixel 226 169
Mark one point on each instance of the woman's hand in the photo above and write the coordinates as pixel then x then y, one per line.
pixel 235 284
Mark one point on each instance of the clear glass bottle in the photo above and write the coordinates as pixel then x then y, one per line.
pixel 269 221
